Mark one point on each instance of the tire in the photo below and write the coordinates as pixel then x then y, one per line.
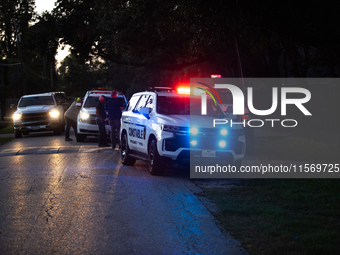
pixel 125 157
pixel 57 132
pixel 62 128
pixel 17 134
pixel 80 138
pixel 156 166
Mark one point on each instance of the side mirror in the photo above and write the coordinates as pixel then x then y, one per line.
pixel 145 111
pixel 78 105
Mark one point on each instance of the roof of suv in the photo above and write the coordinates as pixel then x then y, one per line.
pixel 164 94
pixel 167 94
pixel 41 94
pixel 101 92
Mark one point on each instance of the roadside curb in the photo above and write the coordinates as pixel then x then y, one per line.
pixel 6 135
pixel 55 150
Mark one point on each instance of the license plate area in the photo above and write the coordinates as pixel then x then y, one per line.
pixel 208 153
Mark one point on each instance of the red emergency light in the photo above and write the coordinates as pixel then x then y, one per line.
pixel 216 76
pixel 183 90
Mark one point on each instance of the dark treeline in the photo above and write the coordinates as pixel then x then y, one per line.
pixel 131 45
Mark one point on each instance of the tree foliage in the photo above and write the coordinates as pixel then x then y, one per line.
pixel 38 40
pixel 155 34
pixel 156 42
pixel 23 12
pixel 176 34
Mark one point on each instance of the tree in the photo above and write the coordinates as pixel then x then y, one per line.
pixel 173 35
pixel 155 34
pixel 23 12
pixel 19 14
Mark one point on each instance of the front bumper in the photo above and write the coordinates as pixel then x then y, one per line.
pixel 90 129
pixel 181 151
pixel 36 126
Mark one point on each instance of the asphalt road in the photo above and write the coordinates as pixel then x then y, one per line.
pixel 59 197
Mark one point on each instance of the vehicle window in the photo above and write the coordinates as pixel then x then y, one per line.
pixel 91 101
pixel 122 101
pixel 38 100
pixel 132 103
pixel 150 102
pixel 141 103
pixel 173 105
pixel 226 96
pixel 60 97
pixel 212 109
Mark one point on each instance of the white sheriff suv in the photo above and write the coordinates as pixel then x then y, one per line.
pixel 167 127
pixel 86 120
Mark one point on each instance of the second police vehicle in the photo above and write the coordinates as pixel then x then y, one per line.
pixel 162 127
pixel 86 121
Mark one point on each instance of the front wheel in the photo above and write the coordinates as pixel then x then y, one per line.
pixel 57 132
pixel 126 159
pixel 80 138
pixel 17 134
pixel 156 166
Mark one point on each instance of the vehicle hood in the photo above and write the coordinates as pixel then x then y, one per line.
pixel 187 120
pixel 90 110
pixel 35 109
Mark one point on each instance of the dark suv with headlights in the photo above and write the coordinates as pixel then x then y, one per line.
pixel 38 112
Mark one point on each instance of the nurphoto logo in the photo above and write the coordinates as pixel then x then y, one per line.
pixel 239 104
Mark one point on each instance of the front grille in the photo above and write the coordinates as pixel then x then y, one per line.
pixel 216 131
pixel 88 131
pixel 92 119
pixel 40 123
pixel 206 140
pixel 28 117
pixel 232 143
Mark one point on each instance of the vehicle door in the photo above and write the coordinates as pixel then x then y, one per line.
pixel 146 121
pixel 137 128
pixel 129 119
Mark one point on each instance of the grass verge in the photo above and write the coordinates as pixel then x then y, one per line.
pixel 289 147
pixel 4 140
pixel 297 148
pixel 283 216
pixel 8 129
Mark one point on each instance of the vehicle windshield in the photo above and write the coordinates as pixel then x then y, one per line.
pixel 92 101
pixel 36 100
pixel 186 106
pixel 226 96
pixel 60 97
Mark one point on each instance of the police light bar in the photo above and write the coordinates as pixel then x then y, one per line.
pixel 216 76
pixel 183 90
pixel 100 92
